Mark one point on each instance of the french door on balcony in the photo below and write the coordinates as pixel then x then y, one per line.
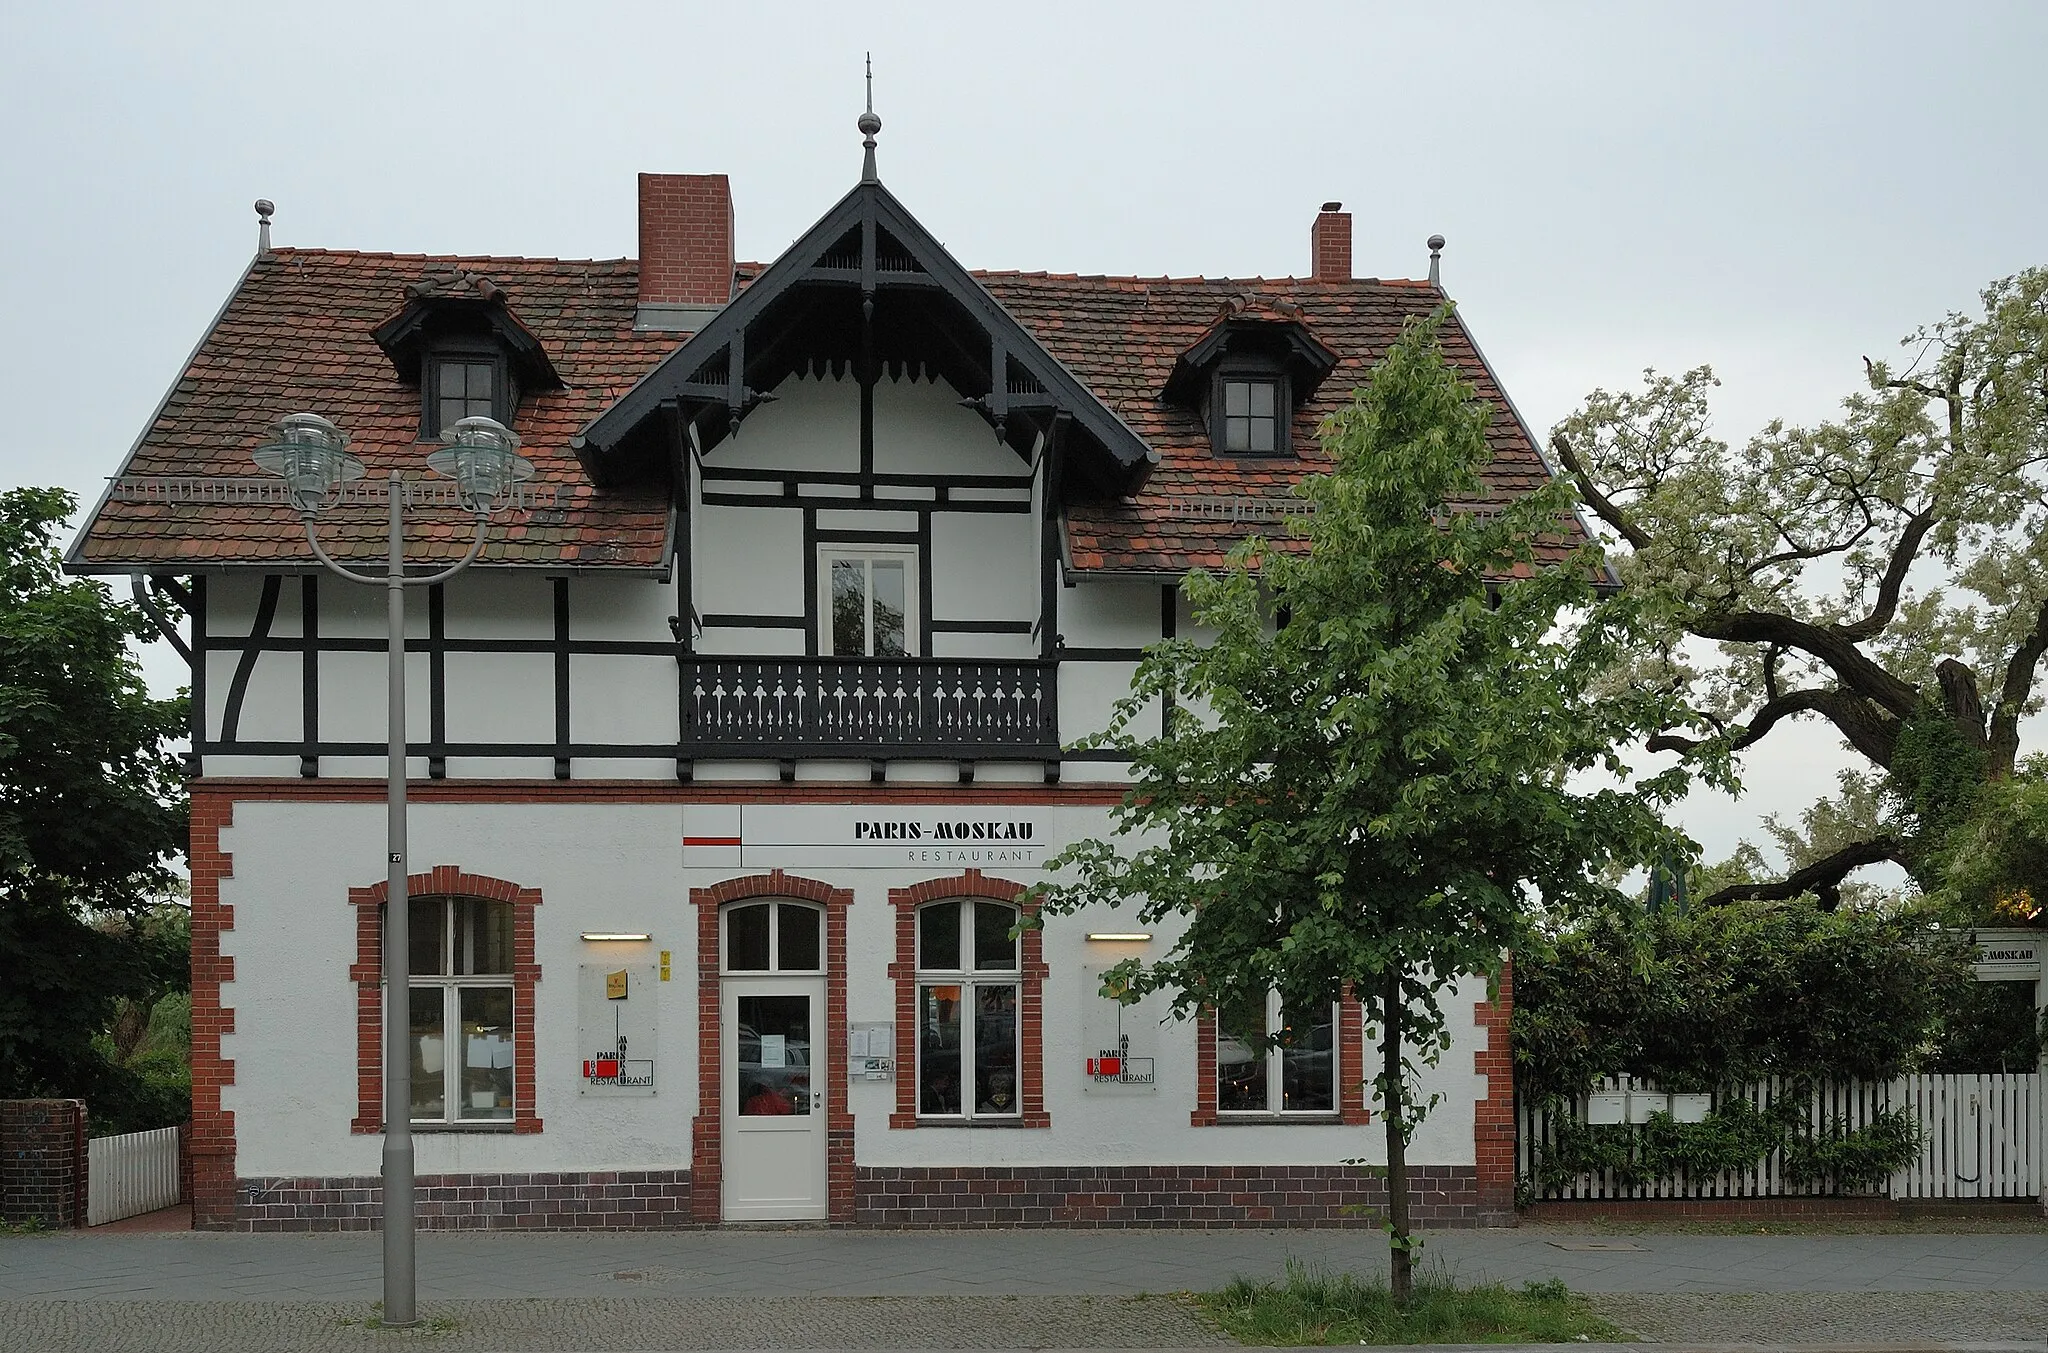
pixel 868 602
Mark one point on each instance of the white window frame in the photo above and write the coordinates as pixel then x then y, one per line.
pixel 907 555
pixel 1276 1096
pixel 968 977
pixel 455 1109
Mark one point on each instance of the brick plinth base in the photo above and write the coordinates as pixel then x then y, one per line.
pixel 1712 1209
pixel 616 1200
pixel 1161 1195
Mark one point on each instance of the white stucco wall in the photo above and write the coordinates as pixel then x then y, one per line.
pixel 621 866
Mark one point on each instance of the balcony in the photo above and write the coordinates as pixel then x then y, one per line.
pixel 942 709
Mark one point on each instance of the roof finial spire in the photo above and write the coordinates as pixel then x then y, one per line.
pixel 264 210
pixel 869 124
pixel 1436 253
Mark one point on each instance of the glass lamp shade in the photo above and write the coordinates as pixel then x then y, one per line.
pixel 311 455
pixel 482 457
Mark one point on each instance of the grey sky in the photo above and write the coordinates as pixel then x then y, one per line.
pixel 1774 188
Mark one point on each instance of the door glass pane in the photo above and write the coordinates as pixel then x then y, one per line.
pixel 774 1056
pixel 486 1052
pixel 938 936
pixel 746 938
pixel 429 1054
pixel 995 1049
pixel 797 929
pixel 1308 1067
pixel 889 592
pixel 1241 1054
pixel 938 1049
pixel 849 608
pixel 994 950
pixel 423 937
pixel 483 936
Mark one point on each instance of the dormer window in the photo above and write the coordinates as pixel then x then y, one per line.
pixel 463 385
pixel 1248 374
pixel 459 339
pixel 1250 420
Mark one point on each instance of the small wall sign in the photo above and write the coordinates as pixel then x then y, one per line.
pixel 1118 1040
pixel 2008 955
pixel 616 1024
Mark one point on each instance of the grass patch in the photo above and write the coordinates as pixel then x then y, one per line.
pixel 428 1326
pixel 1312 1307
pixel 27 1226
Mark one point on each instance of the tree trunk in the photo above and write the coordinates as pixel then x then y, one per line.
pixel 1393 1093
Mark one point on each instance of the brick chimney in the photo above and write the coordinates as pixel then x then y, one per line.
pixel 1330 244
pixel 685 250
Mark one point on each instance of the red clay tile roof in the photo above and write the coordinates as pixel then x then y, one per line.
pixel 296 335
pixel 1122 335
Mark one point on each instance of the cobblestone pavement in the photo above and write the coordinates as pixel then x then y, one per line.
pixel 1830 1317
pixel 636 1323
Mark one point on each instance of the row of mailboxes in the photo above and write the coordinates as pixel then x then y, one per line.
pixel 1636 1106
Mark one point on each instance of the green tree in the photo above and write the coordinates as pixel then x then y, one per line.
pixel 1374 792
pixel 92 812
pixel 1886 572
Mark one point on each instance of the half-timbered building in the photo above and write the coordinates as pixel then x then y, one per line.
pixel 732 754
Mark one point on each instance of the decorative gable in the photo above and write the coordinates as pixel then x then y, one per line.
pixel 866 289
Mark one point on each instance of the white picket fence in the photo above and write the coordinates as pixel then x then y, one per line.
pixel 1980 1138
pixel 130 1174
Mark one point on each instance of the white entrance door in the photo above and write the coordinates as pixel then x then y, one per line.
pixel 773 1067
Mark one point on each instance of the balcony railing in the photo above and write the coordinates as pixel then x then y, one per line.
pixel 869 708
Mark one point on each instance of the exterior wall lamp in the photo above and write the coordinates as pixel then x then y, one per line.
pixel 1119 936
pixel 620 936
pixel 311 455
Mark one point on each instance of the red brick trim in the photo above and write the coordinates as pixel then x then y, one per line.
pixel 1493 1118
pixel 1030 1000
pixel 707 1172
pixel 1352 1091
pixel 1204 1114
pixel 367 972
pixel 347 789
pixel 213 1127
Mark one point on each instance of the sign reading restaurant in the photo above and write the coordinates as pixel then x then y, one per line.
pixel 818 835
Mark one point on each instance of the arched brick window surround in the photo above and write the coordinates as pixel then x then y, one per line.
pixel 707 1178
pixel 367 973
pixel 1351 1087
pixel 1030 1000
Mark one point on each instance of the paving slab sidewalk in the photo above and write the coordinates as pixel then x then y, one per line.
pixel 200 1266
pixel 783 1288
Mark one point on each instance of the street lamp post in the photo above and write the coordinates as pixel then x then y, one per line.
pixel 482 457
